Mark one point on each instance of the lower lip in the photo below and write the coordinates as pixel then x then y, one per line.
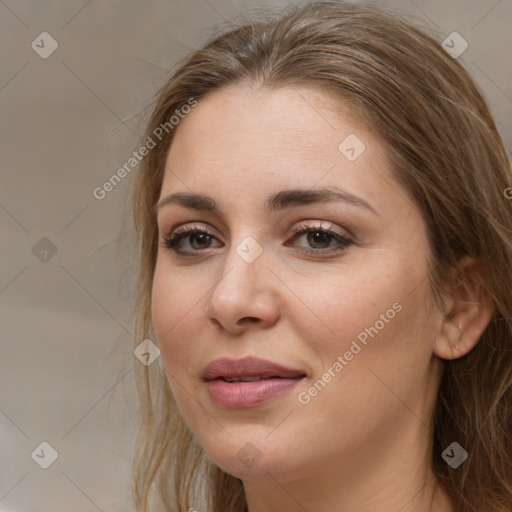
pixel 239 395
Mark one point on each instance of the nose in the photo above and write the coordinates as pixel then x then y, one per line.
pixel 244 296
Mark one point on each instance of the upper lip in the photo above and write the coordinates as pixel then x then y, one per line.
pixel 248 367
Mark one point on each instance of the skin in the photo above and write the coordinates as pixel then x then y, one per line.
pixel 362 443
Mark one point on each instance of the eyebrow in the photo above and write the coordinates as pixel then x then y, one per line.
pixel 277 202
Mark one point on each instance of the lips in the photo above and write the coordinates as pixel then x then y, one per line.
pixel 248 382
pixel 248 369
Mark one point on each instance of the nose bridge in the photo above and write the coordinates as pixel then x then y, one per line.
pixel 243 291
pixel 242 268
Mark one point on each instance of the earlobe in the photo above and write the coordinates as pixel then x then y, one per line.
pixel 448 342
pixel 467 314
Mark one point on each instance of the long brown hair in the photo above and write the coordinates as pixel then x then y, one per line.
pixel 446 152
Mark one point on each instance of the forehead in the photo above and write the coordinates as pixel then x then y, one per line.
pixel 243 143
pixel 244 119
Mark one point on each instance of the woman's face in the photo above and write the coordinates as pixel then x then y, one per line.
pixel 314 259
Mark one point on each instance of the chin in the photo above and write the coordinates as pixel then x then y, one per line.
pixel 248 460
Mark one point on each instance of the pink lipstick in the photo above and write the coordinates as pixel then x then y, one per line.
pixel 248 382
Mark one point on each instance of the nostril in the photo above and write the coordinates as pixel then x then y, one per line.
pixel 245 319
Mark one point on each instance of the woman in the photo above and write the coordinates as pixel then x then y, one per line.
pixel 325 267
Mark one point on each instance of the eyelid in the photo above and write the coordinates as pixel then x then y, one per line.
pixel 310 224
pixel 189 227
pixel 303 224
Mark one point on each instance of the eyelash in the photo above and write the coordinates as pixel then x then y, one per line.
pixel 172 240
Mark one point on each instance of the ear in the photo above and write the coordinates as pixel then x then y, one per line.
pixel 468 311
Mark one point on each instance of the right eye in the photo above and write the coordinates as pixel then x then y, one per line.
pixel 187 240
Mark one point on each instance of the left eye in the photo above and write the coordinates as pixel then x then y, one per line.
pixel 320 239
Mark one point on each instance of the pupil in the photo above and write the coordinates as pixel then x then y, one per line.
pixel 318 238
pixel 202 241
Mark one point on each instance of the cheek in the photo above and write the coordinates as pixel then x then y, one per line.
pixel 169 315
pixel 384 361
pixel 338 307
pixel 170 307
pixel 172 298
pixel 176 306
pixel 377 319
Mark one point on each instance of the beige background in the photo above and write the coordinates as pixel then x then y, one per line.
pixel 67 123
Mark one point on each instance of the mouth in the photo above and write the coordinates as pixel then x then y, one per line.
pixel 248 382
pixel 249 379
pixel 248 369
